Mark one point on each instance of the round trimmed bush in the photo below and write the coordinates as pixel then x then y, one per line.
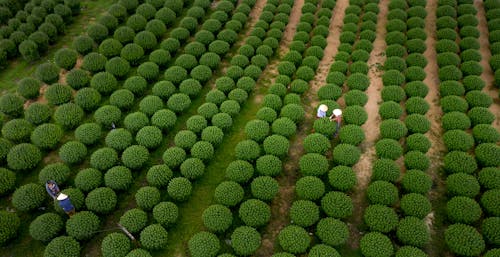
pixel 310 188
pixel 57 172
pixel 217 218
pixel 355 115
pixel 484 133
pixel 480 115
pixel 174 156
pixel 77 78
pixel 58 94
pixel 254 213
pixel 118 178
pixel 104 82
pixel 393 93
pixel 416 160
pixel 316 143
pixel 159 175
pixel 27 87
pixel 82 225
pixel 245 240
pixel 416 181
pixel 17 130
pixel 380 218
pixel 487 154
pixel 62 246
pixel 455 120
pixel 413 231
pixel 375 244
pixel 355 97
pixel 458 140
pixel 490 229
pixel 390 110
pixel 101 200
pixel 115 244
pixel 135 156
pixel 276 145
pixel 332 231
pixel 46 136
pixel 107 115
pixel 239 171
pixel 204 244
pixel 464 240
pixel 135 121
pixel 313 164
pixel 149 136
pixel 154 237
pixel 166 213
pixel 117 66
pixel 45 227
pixel 147 197
pixel 489 204
pixel 103 158
pixel 87 98
pixel 382 192
pixel 304 213
pixel 345 154
pixel 457 161
pixel 47 72
pixel 88 179
pixel 415 205
pixel 294 239
pixel 23 156
pixel 264 188
pixel 385 170
pixel 65 58
pixel 452 103
pixel 8 180
pixel 122 98
pixel 228 193
pixel 257 130
pixel 337 205
pixel 178 102
pixel 489 178
pixel 134 220
pixel 179 189
pixel 192 168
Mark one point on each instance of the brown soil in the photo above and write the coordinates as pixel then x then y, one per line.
pixel 487 74
pixel 363 168
pixel 436 152
pixel 330 51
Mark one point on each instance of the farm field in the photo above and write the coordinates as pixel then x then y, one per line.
pixel 190 128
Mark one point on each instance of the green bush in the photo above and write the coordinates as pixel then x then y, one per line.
pixel 115 244
pixel 96 31
pixel 473 82
pixel 337 205
pixel 63 245
pixel 480 115
pixel 355 97
pixel 135 156
pixel 388 148
pixel 304 213
pixel 355 115
pixel 294 239
pixel 464 240
pixel 45 227
pixel 393 77
pixel 103 158
pixel 490 230
pixel 17 130
pixel 489 178
pixel 107 115
pixel 316 143
pixel 310 188
pixel 393 93
pixel 8 180
pixel 358 81
pixel 47 72
pixel 27 87
pixel 123 99
pixel 455 120
pixel 101 200
pixel 174 156
pixel 458 140
pixel 254 213
pixel 416 181
pixel 476 98
pixel 332 231
pixel 413 231
pixel 65 58
pixel 386 170
pixel 46 136
pixel 204 244
pixel 321 250
pixel 390 110
pixel 77 78
pixel 484 133
pixel 82 225
pixel 376 244
pixel 58 94
pixel 179 189
pixel 490 206
pixel 88 179
pixel 345 154
pixel 417 123
pixel 450 87
pixel 382 192
pixel 118 67
pixel 342 178
pixel 88 133
pixel 276 145
pixel 154 237
pixel 453 103
pixel 245 240
pixel 147 197
pixel 57 172
pixel 457 161
pixel 159 175
pixel 380 218
pixel 217 218
pixel 264 188
pixel 23 156
pixel 134 220
pixel 313 164
pixel 192 168
pixel 178 102
pixel 228 193
pixel 239 171
pixel 83 44
pixel 166 213
pixel 87 98
pixel 487 154
pixel 118 178
pixel 415 205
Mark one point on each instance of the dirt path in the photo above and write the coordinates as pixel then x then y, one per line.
pixel 363 168
pixel 330 51
pixel 437 195
pixel 487 75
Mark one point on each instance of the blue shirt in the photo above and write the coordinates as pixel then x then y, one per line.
pixel 321 114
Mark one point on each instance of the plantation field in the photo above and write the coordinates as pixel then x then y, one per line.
pixel 190 128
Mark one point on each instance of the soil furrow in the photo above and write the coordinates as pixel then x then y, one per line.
pixel 363 168
pixel 437 195
pixel 487 76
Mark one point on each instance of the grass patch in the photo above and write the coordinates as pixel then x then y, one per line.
pixel 18 68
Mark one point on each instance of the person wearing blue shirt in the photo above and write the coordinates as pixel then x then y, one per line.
pixel 322 109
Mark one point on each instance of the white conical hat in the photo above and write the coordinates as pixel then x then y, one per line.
pixel 61 197
pixel 323 108
pixel 337 112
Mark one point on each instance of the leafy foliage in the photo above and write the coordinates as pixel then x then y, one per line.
pixel 63 245
pixel 245 240
pixel 464 240
pixel 101 200
pixel 204 244
pixel 294 239
pixel 82 225
pixel 154 237
pixel 166 213
pixel 134 220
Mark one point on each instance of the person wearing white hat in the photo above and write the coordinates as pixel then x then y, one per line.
pixel 337 118
pixel 322 109
pixel 65 204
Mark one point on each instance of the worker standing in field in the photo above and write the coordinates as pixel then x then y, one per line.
pixel 65 204
pixel 322 109
pixel 337 118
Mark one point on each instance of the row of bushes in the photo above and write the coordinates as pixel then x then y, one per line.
pixel 458 97
pixel 32 29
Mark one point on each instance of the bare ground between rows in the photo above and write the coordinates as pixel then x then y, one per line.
pixel 436 153
pixel 363 168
